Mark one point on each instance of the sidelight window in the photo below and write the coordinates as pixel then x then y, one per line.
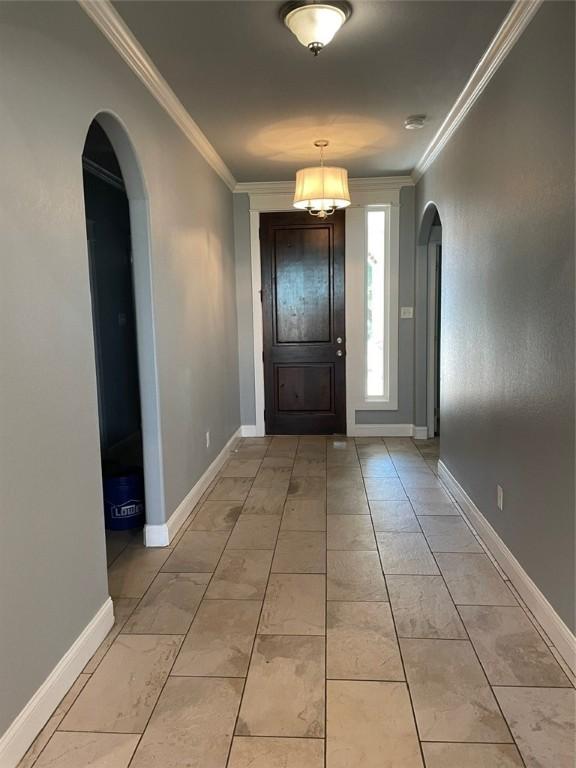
pixel 375 303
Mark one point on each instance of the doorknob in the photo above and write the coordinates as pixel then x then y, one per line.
pixel 339 353
pixel 339 340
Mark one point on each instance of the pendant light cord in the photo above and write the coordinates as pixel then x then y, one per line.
pixel 322 172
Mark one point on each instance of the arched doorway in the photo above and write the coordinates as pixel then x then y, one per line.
pixel 428 331
pixel 116 206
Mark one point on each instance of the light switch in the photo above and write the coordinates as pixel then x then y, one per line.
pixel 406 313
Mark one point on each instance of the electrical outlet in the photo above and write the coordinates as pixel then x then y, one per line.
pixel 500 498
pixel 208 439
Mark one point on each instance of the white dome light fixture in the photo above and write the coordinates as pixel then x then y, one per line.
pixel 323 189
pixel 414 122
pixel 315 24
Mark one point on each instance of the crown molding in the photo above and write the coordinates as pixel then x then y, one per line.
pixel 111 24
pixel 508 34
pixel 287 187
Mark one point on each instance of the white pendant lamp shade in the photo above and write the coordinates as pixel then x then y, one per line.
pixel 323 188
pixel 315 25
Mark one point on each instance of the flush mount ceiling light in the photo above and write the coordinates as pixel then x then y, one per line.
pixel 414 122
pixel 323 189
pixel 315 24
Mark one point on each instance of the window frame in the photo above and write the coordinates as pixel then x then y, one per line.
pixel 356 305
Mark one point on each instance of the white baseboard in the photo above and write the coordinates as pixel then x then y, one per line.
pixel 31 720
pixel 161 535
pixel 248 430
pixel 552 624
pixel 387 430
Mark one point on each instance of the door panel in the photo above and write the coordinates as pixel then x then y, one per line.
pixel 302 279
pixel 305 388
pixel 303 321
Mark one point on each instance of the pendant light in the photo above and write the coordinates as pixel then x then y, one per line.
pixel 315 24
pixel 323 189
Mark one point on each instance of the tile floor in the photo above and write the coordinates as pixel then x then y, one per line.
pixel 324 605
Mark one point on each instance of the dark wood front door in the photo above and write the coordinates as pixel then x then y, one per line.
pixel 303 320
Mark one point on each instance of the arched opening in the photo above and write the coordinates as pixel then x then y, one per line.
pixel 429 293
pixel 117 224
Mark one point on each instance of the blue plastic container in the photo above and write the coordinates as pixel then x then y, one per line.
pixel 124 500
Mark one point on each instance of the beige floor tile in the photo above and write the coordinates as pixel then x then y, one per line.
pixel 342 458
pixel 350 532
pixel 54 721
pixel 295 604
pixel 418 478
pixel 434 508
pixel 384 489
pixel 447 533
pixel 361 642
pixel 250 452
pixel 473 580
pixel 378 466
pixel 543 723
pixel 254 752
pixel 134 570
pixel 428 495
pixel 451 696
pixel 277 461
pixel 280 450
pixel 394 516
pixel 307 488
pixel 309 467
pixel 344 479
pixel 169 605
pixel 192 725
pixel 241 575
pixel 346 494
pixel 197 552
pixel 510 649
pixel 348 504
pixel 565 668
pixel 220 639
pixel 216 516
pixel 254 532
pixel 231 489
pixel 265 501
pixel 273 477
pixel 406 553
pixel 422 607
pixel 287 673
pixel 408 462
pixel 123 691
pixel 88 750
pixel 240 468
pixel 355 576
pixel 123 609
pixel 304 515
pixel 300 552
pixel 117 541
pixel 471 756
pixel 370 725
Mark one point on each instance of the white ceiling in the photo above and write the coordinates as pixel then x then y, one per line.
pixel 262 99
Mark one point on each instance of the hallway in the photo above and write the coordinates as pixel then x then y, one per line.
pixel 313 571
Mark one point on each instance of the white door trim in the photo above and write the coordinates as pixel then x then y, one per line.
pixel 432 267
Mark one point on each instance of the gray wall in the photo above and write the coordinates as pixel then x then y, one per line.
pixel 58 71
pixel 406 327
pixel 504 187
